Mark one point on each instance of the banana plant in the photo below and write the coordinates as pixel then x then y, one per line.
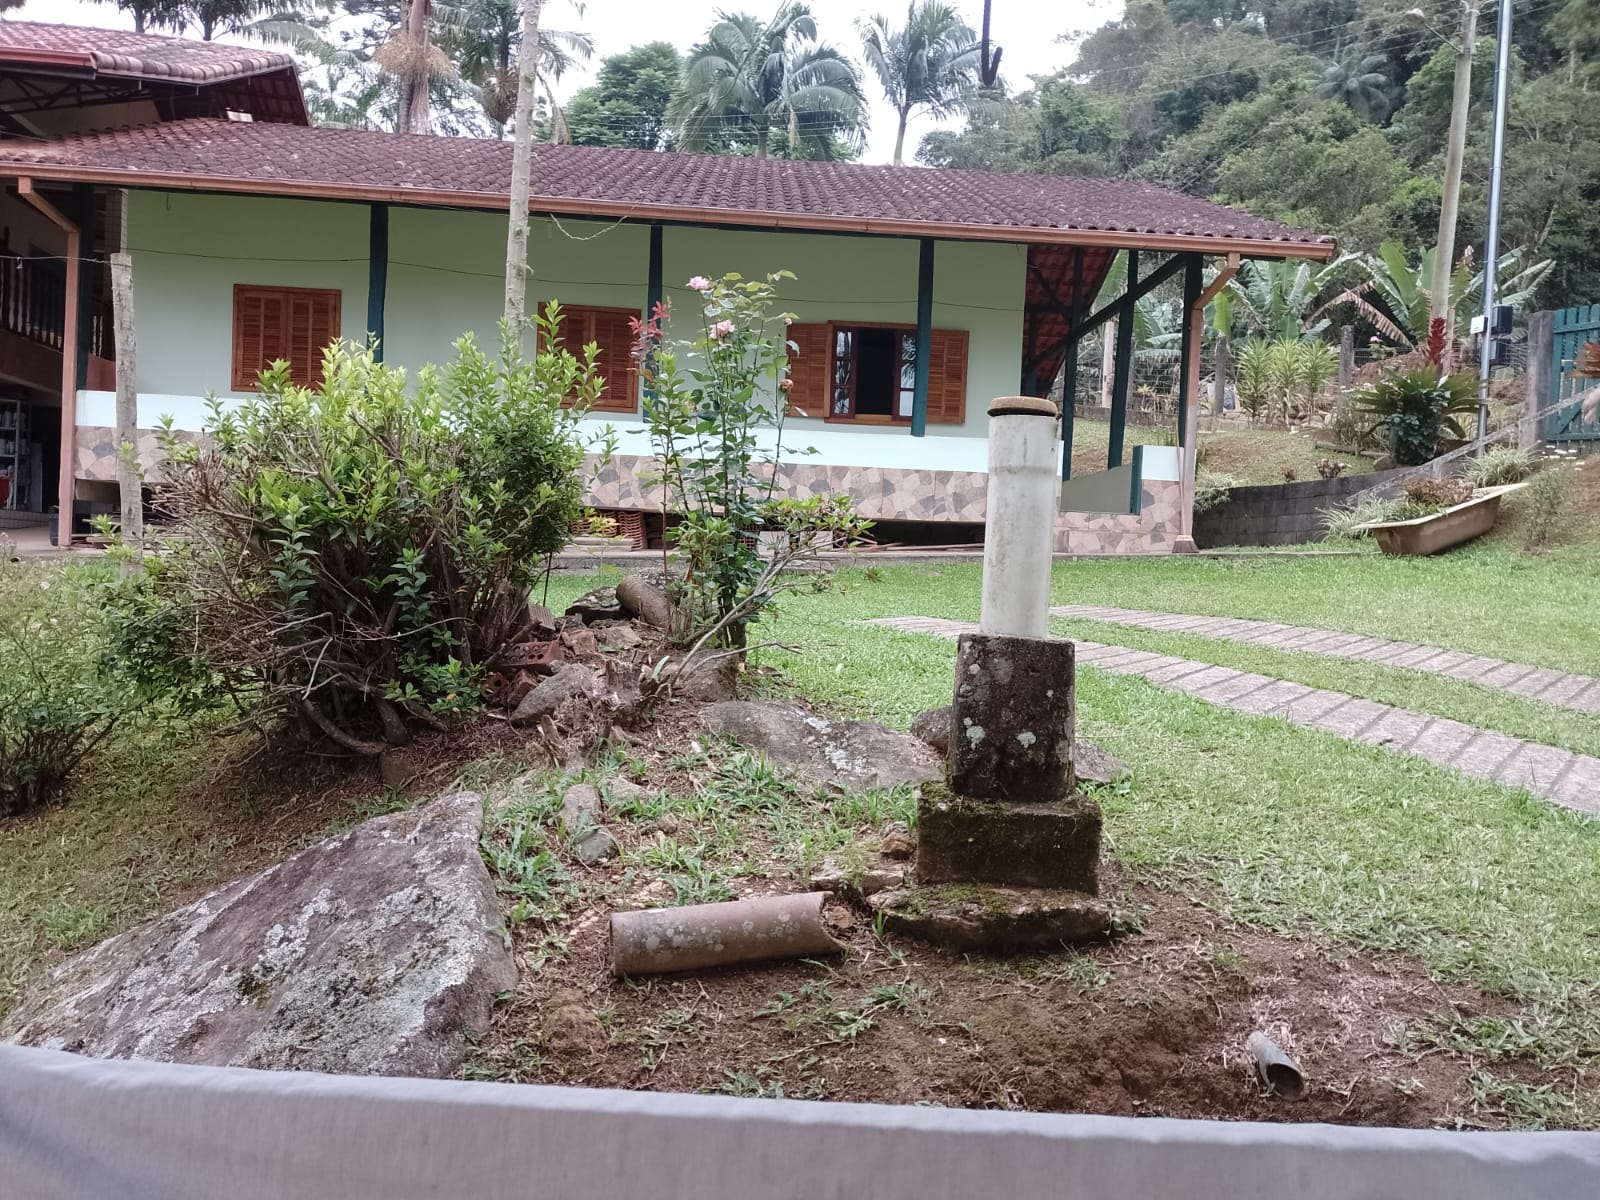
pixel 1274 298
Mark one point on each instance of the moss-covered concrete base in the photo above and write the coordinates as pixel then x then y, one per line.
pixel 1045 845
pixel 974 917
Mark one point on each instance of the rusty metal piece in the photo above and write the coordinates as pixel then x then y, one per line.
pixel 1275 1068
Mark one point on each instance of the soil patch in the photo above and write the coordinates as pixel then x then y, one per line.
pixel 1154 1023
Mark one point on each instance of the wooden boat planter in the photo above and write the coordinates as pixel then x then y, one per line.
pixel 1442 530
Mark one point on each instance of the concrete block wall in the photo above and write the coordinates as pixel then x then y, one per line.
pixel 1279 514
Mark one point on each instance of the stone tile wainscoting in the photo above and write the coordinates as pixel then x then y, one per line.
pixel 879 493
pixel 892 494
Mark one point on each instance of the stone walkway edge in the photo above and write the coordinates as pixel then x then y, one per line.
pixel 1563 689
pixel 1548 772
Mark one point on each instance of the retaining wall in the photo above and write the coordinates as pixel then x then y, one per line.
pixel 1279 514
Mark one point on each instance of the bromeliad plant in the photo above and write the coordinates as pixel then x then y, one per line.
pixel 355 557
pixel 1413 410
pixel 709 402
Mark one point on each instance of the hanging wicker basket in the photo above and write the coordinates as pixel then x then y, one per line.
pixel 1588 363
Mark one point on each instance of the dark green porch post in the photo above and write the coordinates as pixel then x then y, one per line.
pixel 1123 369
pixel 653 285
pixel 377 274
pixel 1192 283
pixel 919 402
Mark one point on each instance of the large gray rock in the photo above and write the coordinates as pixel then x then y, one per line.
pixel 847 754
pixel 572 682
pixel 372 953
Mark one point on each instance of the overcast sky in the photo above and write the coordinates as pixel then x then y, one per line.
pixel 1027 30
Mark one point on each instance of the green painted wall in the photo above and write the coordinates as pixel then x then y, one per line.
pixel 446 276
pixel 188 252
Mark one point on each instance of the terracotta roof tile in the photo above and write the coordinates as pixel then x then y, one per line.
pixel 140 55
pixel 287 159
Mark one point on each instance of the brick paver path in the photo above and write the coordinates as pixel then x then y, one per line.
pixel 1561 688
pixel 1568 779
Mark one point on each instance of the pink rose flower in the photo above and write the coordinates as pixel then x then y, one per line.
pixel 721 329
pixel 699 284
pixel 785 384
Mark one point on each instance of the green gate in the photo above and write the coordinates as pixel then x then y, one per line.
pixel 1573 327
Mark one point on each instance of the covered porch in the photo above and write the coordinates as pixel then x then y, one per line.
pixel 1143 499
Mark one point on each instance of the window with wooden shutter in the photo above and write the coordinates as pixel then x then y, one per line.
pixel 947 377
pixel 273 323
pixel 872 374
pixel 808 369
pixel 609 330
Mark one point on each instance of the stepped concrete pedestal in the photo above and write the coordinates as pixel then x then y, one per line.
pixel 1007 849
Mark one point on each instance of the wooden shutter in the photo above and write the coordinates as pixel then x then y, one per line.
pixel 808 368
pixel 294 324
pixel 947 377
pixel 615 339
pixel 609 330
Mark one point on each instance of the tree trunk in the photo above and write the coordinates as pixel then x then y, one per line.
pixel 521 171
pixel 761 142
pixel 129 484
pixel 1455 152
pixel 1219 378
pixel 1108 360
pixel 414 116
pixel 900 141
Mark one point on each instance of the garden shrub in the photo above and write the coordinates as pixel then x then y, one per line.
pixel 57 700
pixel 1211 488
pixel 708 398
pixel 357 556
pixel 1424 497
pixel 1544 505
pixel 1349 521
pixel 1500 466
pixel 1413 410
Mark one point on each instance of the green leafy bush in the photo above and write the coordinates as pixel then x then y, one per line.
pixel 356 557
pixel 1349 521
pixel 1543 505
pixel 1254 377
pixel 57 700
pixel 1211 488
pixel 1500 466
pixel 1413 410
pixel 708 399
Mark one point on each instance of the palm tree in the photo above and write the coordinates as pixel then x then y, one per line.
pixel 482 37
pixel 1358 79
pixel 752 79
pixel 930 62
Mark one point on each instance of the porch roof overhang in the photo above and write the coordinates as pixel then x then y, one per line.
pixel 207 155
pixel 50 67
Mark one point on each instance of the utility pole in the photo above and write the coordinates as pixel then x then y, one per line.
pixel 1455 152
pixel 1491 247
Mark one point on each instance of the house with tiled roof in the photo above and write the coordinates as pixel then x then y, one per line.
pixel 921 294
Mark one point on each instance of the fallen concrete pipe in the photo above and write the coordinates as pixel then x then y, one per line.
pixel 655 940
pixel 1275 1068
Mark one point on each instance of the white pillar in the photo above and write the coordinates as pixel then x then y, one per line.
pixel 1024 491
